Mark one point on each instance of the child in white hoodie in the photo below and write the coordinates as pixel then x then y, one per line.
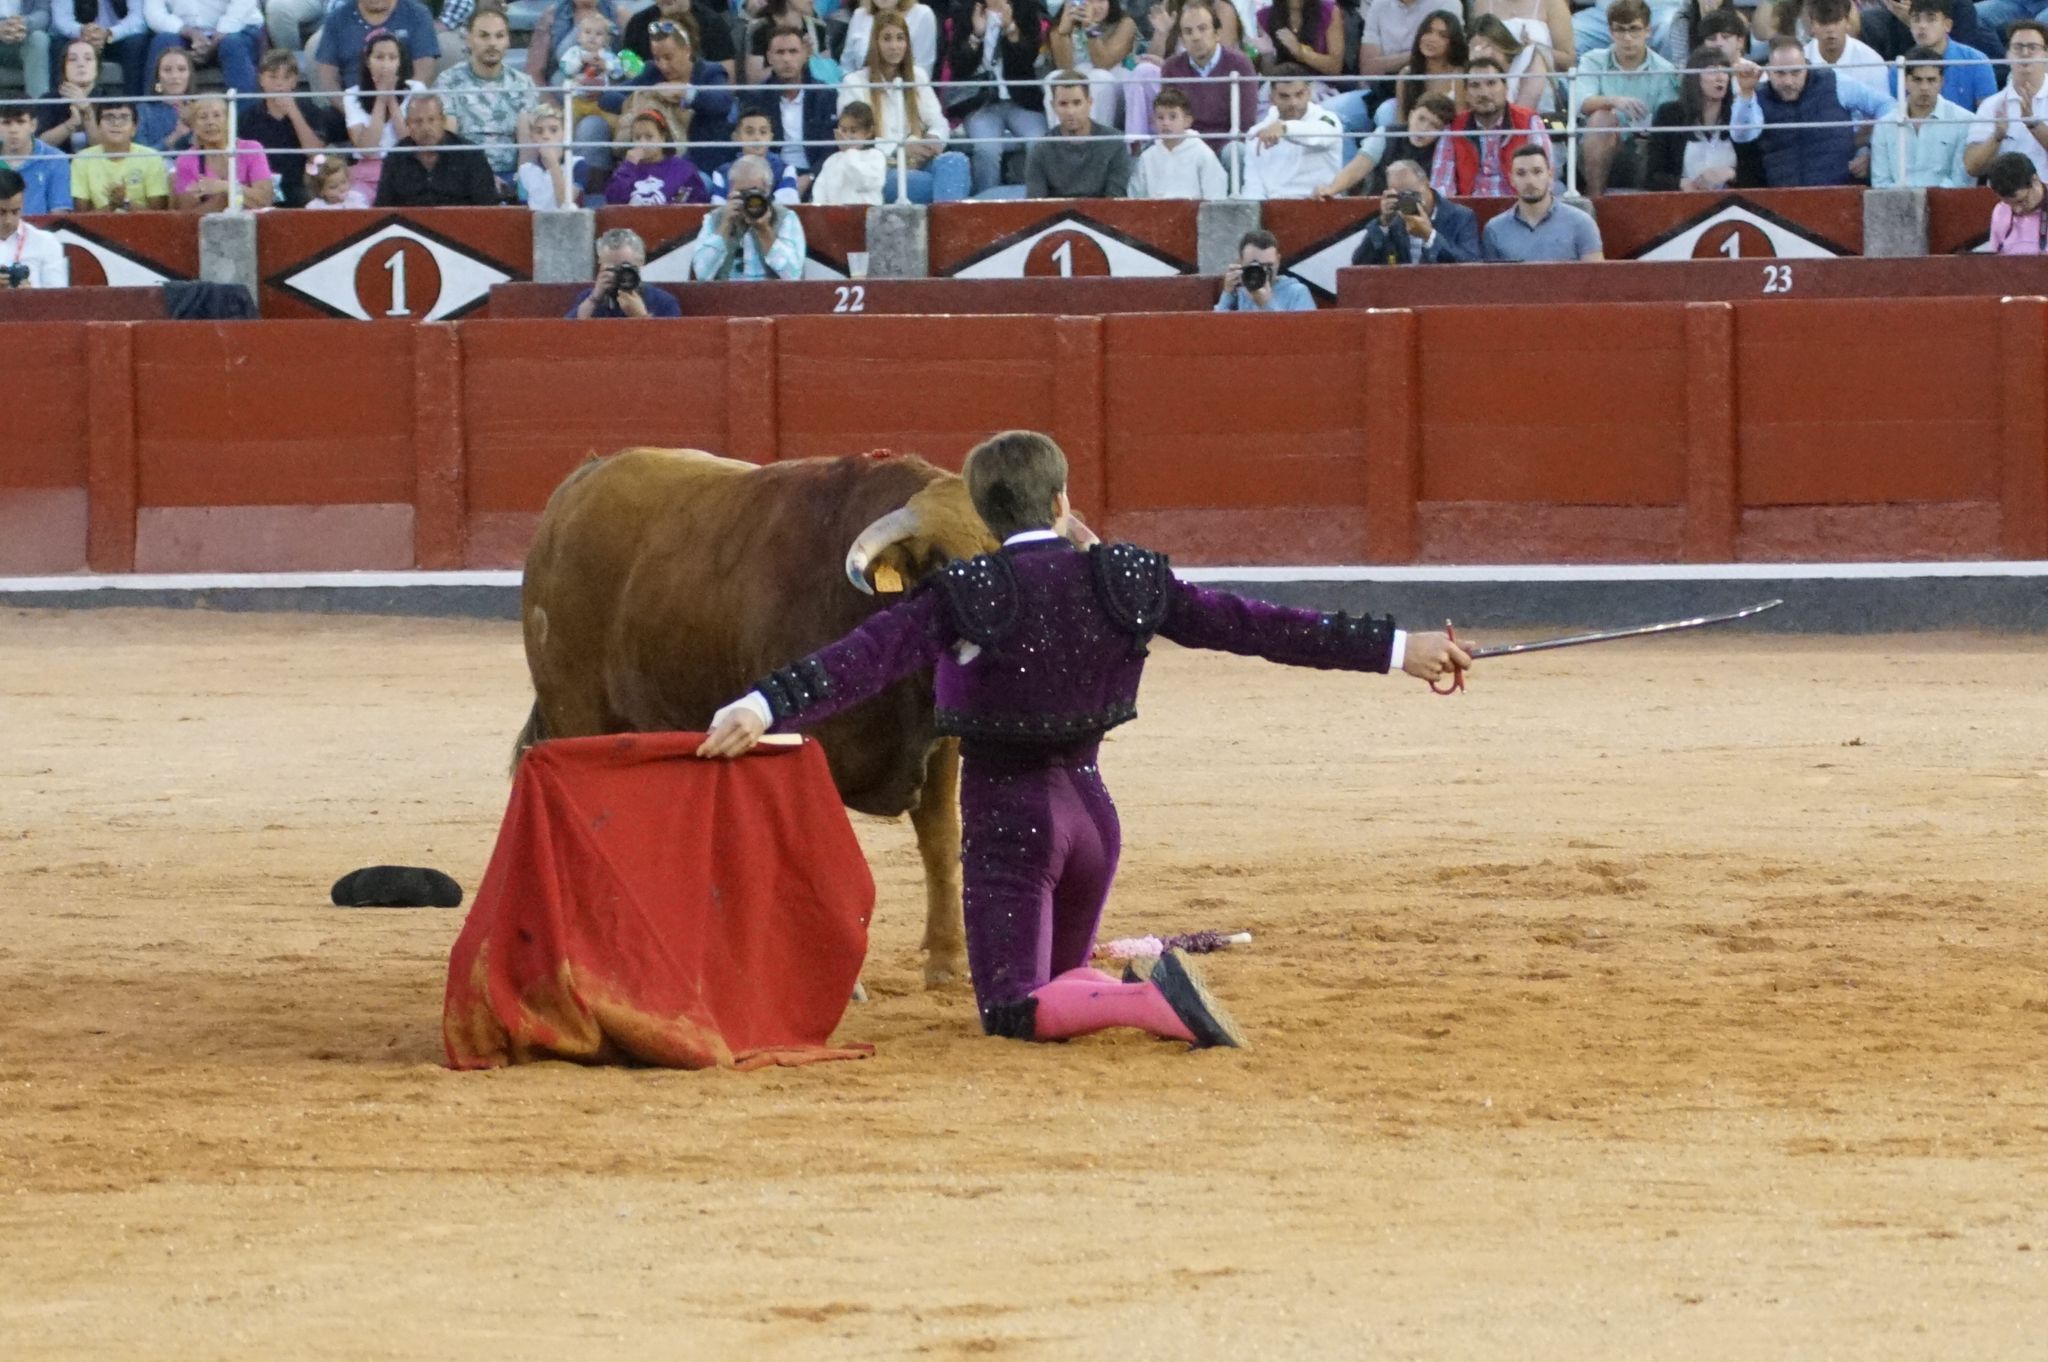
pixel 854 173
pixel 1177 166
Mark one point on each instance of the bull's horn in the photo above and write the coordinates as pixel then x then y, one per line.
pixel 898 525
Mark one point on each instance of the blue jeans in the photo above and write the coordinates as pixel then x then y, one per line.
pixel 1996 14
pixel 945 178
pixel 995 121
pixel 236 55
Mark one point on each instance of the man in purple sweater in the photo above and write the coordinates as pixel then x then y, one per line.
pixel 1039 649
pixel 1202 54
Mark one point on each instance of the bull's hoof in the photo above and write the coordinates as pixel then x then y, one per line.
pixel 945 968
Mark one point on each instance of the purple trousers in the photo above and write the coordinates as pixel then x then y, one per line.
pixel 1039 845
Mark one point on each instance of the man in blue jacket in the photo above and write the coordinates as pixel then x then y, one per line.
pixel 801 110
pixel 683 81
pixel 1416 225
pixel 1815 129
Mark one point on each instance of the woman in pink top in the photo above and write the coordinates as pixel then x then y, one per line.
pixel 2017 222
pixel 199 180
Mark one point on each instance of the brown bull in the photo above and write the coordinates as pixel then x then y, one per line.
pixel 662 583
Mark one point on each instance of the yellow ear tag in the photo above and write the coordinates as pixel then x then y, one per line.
pixel 888 580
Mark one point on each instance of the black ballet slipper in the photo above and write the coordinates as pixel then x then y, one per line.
pixel 1185 992
pixel 396 886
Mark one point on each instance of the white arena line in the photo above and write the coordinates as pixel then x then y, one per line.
pixel 1605 572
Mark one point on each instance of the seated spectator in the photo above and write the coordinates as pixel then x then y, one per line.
pixel 855 172
pixel 919 22
pixel 487 101
pixel 756 135
pixel 345 37
pixel 1416 225
pixel 1081 159
pixel 1094 37
pixel 1425 126
pixel 227 33
pixel 2016 223
pixel 1888 28
pixel 162 120
pixel 1539 227
pixel 434 168
pixel 1727 32
pixel 653 172
pixel 117 31
pixel 802 108
pixel 998 40
pixel 45 171
pixel 29 256
pixel 116 175
pixel 328 184
pixel 1676 39
pixel 1478 166
pixel 750 235
pixel 1255 283
pixel 71 127
pixel 1969 81
pixel 1617 91
pixel 1304 33
pixel 1386 40
pixel 787 16
pixel 1921 146
pixel 907 117
pixel 1850 58
pixel 200 179
pixel 1294 148
pixel 374 111
pixel 549 174
pixel 1430 60
pixel 1531 76
pixel 1802 119
pixel 1435 67
pixel 619 291
pixel 1176 165
pixel 1690 142
pixel 1545 25
pixel 710 26
pixel 690 92
pixel 290 127
pixel 2016 118
pixel 1202 53
pixel 589 68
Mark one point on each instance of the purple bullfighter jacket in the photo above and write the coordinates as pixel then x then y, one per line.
pixel 1041 645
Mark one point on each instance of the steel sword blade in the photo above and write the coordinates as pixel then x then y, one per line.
pixel 1610 635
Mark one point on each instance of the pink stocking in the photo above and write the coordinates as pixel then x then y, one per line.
pixel 1085 1000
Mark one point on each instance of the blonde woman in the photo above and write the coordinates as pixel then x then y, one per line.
pixel 907 115
pixel 920 22
pixel 200 179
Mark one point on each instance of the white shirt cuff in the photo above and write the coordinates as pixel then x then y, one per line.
pixel 1400 651
pixel 753 700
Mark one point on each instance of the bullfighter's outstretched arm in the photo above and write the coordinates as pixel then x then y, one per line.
pixel 908 637
pixel 1197 617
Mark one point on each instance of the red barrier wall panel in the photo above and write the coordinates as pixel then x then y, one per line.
pixel 1958 219
pixel 1049 237
pixel 43 455
pixel 1748 225
pixel 128 249
pixel 429 264
pixel 1846 402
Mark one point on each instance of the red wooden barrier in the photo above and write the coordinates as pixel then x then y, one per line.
pixel 129 304
pixel 1005 240
pixel 427 264
pixel 43 471
pixel 1958 219
pixel 1094 296
pixel 126 250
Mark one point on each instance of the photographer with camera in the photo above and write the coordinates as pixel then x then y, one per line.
pixel 619 291
pixel 1255 283
pixel 750 235
pixel 1416 225
pixel 29 256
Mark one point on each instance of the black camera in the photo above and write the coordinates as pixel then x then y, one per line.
pixel 625 279
pixel 755 204
pixel 1408 201
pixel 17 276
pixel 1256 276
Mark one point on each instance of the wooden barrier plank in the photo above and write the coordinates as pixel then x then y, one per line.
pixel 1078 415
pixel 1717 280
pixel 1394 438
pixel 44 456
pixel 1712 506
pixel 2023 481
pixel 752 417
pixel 111 477
pixel 440 496
pixel 1083 296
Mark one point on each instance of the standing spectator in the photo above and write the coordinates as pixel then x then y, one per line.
pixel 1419 143
pixel 652 173
pixel 291 127
pixel 1690 142
pixel 115 175
pixel 1921 146
pixel 1295 147
pixel 1202 54
pixel 802 108
pixel 1802 119
pixel 71 126
pixel 690 91
pixel 1484 138
pixel 1304 33
pixel 116 30
pixel 200 178
pixel 433 168
pixel 25 43
pixel 1096 38
pixel 750 235
pixel 1831 46
pixel 163 124
pixel 328 184
pixel 374 110
pixel 618 292
pixel 855 172
pixel 2018 220
pixel 1177 166
pixel 756 137
pixel 1416 225
pixel 1255 283
pixel 999 42
pixel 907 117
pixel 1969 80
pixel 45 172
pixel 711 25
pixel 1617 91
pixel 1065 167
pixel 345 36
pixel 919 22
pixel 2016 118
pixel 1539 228
pixel 226 32
pixel 549 172
pixel 31 257
pixel 489 102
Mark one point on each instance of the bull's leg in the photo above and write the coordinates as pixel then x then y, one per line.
pixel 936 817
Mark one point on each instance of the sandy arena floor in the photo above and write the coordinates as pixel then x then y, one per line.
pixel 1675 1000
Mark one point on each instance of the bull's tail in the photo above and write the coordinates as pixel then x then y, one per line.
pixel 535 731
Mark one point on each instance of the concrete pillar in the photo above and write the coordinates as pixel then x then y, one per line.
pixel 227 250
pixel 1894 222
pixel 564 246
pixel 899 241
pixel 1219 225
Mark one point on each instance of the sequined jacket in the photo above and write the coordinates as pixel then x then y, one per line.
pixel 1042 643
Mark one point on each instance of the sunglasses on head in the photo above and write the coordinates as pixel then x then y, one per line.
pixel 667 28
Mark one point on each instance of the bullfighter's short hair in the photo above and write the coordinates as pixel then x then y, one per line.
pixel 1013 478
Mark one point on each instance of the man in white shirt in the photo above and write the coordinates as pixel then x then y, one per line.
pixel 1296 147
pixel 2016 118
pixel 1831 46
pixel 1921 146
pixel 29 256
